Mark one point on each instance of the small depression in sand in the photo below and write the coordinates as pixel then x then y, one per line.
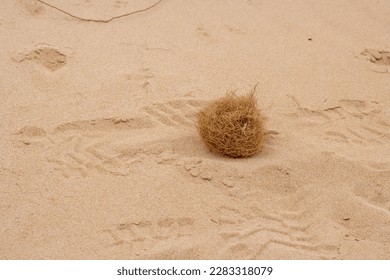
pixel 46 56
pixel 377 56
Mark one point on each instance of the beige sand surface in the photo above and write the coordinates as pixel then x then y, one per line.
pixel 100 158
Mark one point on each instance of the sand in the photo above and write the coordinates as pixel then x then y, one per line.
pixel 100 157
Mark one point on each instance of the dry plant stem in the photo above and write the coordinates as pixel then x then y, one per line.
pixel 99 20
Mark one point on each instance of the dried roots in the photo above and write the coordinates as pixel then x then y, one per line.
pixel 232 126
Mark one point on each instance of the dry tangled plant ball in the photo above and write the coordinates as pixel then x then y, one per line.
pixel 232 125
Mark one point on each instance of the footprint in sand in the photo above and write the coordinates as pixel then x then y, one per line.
pixel 44 55
pixel 30 134
pixel 378 57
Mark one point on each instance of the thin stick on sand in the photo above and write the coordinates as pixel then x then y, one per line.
pixel 98 20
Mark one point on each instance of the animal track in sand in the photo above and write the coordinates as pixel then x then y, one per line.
pixel 144 235
pixel 113 145
pixel 351 122
pixel 379 57
pixel 44 55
